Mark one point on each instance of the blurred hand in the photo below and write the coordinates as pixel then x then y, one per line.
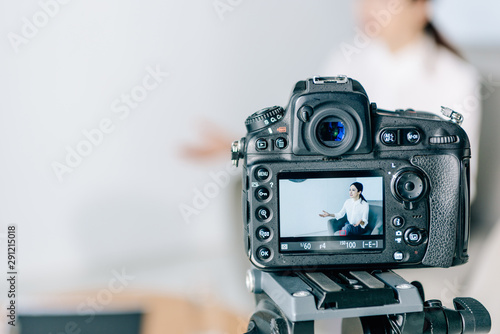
pixel 213 141
pixel 326 214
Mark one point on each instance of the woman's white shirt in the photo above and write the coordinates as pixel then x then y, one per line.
pixel 356 210
pixel 422 76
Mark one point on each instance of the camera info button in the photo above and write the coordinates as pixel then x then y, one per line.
pixel 398 221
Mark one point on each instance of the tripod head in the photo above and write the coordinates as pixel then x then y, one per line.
pixel 384 302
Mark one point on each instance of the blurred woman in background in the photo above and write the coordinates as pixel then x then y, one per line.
pixel 403 62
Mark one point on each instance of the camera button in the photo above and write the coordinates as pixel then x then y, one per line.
pixel 264 253
pixel 413 236
pixel 398 256
pixel 413 136
pixel 280 143
pixel 262 193
pixel 398 221
pixel 263 233
pixel 389 137
pixel 261 144
pixel 262 174
pixel 263 214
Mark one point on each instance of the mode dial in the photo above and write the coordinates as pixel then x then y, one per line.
pixel 263 118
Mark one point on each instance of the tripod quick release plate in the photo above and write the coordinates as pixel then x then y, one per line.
pixel 314 296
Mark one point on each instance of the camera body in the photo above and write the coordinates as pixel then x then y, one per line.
pixel 410 171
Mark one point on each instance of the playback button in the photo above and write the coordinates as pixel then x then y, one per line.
pixel 261 144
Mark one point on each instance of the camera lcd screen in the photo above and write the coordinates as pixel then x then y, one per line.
pixel 331 212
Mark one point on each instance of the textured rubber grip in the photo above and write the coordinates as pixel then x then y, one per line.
pixel 444 175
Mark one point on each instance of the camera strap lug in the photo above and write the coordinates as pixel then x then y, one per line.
pixel 454 116
pixel 237 148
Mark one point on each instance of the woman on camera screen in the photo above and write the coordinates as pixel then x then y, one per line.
pixel 356 208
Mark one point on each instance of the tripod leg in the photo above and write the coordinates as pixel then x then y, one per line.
pixel 376 325
pixel 306 327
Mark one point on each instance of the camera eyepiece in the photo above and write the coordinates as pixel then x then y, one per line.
pixel 332 131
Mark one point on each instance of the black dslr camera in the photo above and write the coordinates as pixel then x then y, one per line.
pixel 333 182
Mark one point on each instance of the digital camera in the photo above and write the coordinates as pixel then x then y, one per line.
pixel 333 182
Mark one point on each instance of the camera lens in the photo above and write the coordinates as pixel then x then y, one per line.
pixel 331 131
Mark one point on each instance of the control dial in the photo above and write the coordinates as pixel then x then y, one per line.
pixel 264 118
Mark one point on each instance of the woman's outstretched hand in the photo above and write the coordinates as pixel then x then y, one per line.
pixel 326 214
pixel 211 141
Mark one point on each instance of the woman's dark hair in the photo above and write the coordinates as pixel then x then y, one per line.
pixel 359 186
pixel 431 30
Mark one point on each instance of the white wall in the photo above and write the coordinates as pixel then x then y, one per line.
pixel 472 23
